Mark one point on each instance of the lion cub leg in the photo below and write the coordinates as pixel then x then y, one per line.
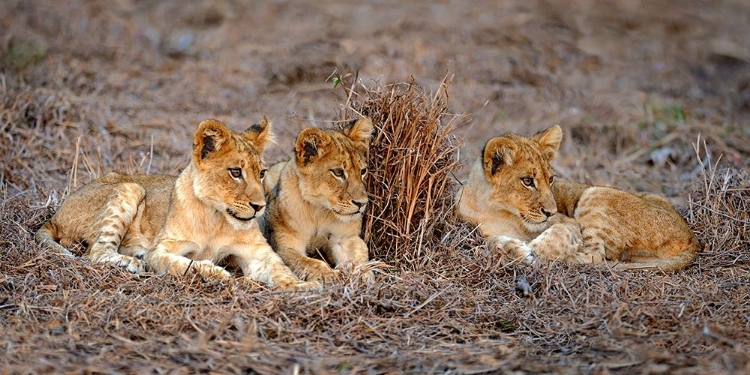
pixel 594 245
pixel 294 254
pixel 561 241
pixel 169 256
pixel 259 262
pixel 308 268
pixel 515 248
pixel 351 251
pixel 113 223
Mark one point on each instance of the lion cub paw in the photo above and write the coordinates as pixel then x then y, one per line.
pixel 367 277
pixel 582 257
pixel 208 269
pixel 319 271
pixel 299 285
pixel 361 272
pixel 136 266
pixel 517 249
pixel 133 265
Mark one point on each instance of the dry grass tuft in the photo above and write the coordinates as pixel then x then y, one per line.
pixel 412 159
pixel 719 213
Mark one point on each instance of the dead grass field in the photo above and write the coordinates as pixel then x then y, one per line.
pixel 652 95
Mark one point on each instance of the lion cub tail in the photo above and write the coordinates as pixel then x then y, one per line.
pixel 668 264
pixel 47 236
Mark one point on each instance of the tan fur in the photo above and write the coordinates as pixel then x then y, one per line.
pixel 569 222
pixel 184 223
pixel 311 209
pixel 116 217
pixel 639 231
pixel 509 214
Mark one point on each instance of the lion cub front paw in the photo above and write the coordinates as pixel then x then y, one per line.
pixel 300 285
pixel 362 272
pixel 367 277
pixel 133 265
pixel 582 257
pixel 516 248
pixel 319 271
pixel 136 266
pixel 208 269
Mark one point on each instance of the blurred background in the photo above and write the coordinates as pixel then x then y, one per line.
pixel 121 85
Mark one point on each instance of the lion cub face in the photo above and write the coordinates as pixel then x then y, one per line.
pixel 333 165
pixel 518 168
pixel 230 169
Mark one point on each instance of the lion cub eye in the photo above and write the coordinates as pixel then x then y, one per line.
pixel 262 173
pixel 527 181
pixel 338 172
pixel 235 172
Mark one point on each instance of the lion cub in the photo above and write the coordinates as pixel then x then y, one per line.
pixel 206 214
pixel 316 200
pixel 510 195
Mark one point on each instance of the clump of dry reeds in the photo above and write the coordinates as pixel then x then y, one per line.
pixel 412 159
pixel 719 212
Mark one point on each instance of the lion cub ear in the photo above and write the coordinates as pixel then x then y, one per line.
pixel 259 134
pixel 311 145
pixel 209 138
pixel 549 141
pixel 360 131
pixel 498 152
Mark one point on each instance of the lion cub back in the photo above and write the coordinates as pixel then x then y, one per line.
pixel 643 231
pixel 115 209
pixel 512 197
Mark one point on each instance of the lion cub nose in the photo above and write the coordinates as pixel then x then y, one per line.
pixel 256 207
pixel 548 213
pixel 359 204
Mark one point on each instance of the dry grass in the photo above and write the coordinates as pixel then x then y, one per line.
pixel 719 212
pixel 33 120
pixel 413 156
pixel 455 310
pixel 116 90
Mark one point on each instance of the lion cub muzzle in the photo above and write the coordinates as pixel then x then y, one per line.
pixel 257 211
pixel 361 205
pixel 353 208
